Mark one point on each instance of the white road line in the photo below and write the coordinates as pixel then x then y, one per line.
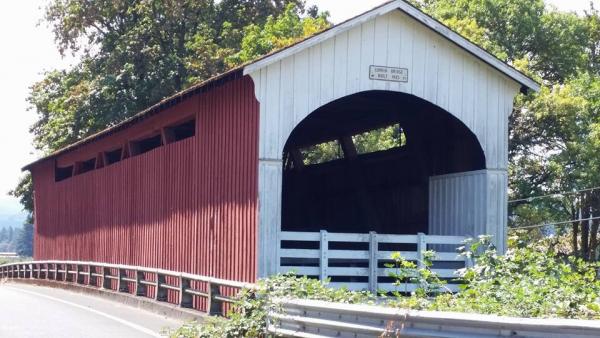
pixel 106 315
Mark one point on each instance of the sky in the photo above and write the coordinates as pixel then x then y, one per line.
pixel 28 50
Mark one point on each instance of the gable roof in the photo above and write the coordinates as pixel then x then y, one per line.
pixel 416 14
pixel 277 55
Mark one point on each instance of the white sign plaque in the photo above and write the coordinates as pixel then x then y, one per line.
pixel 388 74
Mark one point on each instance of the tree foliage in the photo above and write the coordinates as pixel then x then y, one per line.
pixel 553 134
pixel 24 241
pixel 133 53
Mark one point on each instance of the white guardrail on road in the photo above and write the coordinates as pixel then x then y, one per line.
pixel 304 318
pixel 135 280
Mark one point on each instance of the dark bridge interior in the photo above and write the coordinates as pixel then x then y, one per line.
pixel 336 177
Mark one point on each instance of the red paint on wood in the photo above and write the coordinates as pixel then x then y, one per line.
pixel 188 206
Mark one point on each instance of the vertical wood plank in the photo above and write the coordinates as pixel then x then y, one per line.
pixel 323 255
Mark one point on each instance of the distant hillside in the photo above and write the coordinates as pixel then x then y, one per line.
pixel 14 220
pixel 11 212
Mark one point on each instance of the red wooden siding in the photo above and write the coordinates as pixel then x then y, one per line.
pixel 187 206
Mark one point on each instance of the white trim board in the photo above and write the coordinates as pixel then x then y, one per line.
pixel 416 14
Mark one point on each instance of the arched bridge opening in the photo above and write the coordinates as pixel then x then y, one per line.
pixel 363 163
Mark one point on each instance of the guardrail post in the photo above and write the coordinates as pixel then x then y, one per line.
pixel 92 280
pixel 161 292
pixel 65 274
pixel 122 285
pixel 105 279
pixel 373 262
pixel 35 272
pixel 421 246
pixel 214 306
pixel 140 287
pixel 56 271
pixel 28 271
pixel 68 275
pixel 18 270
pixel 79 277
pixel 323 260
pixel 185 299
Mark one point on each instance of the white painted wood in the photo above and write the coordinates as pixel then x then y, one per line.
pixel 448 256
pixel 299 253
pixel 421 247
pixel 433 239
pixel 269 209
pixel 323 256
pixel 384 238
pixel 387 255
pixel 428 68
pixel 442 273
pixel 292 84
pixel 296 259
pixel 301 270
pixel 414 13
pixel 373 261
pixel 299 236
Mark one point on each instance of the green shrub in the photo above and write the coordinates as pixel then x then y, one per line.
pixel 528 281
pixel 249 316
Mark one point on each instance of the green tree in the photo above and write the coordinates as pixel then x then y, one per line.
pixel 133 53
pixel 24 241
pixel 552 134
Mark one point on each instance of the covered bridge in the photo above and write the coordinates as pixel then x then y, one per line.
pixel 318 158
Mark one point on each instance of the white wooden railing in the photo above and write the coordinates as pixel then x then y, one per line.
pixel 357 261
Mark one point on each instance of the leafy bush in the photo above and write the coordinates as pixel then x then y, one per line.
pixel 528 281
pixel 405 271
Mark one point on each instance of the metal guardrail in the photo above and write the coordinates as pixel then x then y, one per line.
pixel 305 318
pixel 134 280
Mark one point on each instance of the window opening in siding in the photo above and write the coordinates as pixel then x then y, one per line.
pixel 125 152
pixel 322 152
pixel 62 173
pixel 145 145
pixel 380 139
pixel 85 166
pixel 180 131
pixel 99 161
pixel 113 156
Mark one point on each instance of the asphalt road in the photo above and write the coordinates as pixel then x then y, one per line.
pixel 34 311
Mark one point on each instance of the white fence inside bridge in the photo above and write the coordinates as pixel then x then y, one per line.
pixel 357 261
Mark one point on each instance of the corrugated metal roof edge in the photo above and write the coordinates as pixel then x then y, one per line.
pixel 165 103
